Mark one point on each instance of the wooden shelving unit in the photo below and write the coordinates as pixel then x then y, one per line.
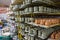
pixel 24 20
pixel 35 3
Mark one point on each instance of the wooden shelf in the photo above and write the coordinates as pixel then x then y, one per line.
pixel 17 10
pixel 12 15
pixel 43 25
pixel 40 14
pixel 46 30
pixel 38 3
pixel 17 21
pixel 17 15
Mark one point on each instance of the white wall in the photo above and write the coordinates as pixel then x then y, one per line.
pixel 6 2
pixel 3 16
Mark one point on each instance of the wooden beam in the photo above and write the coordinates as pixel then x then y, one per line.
pixel 17 2
pixel 2 5
pixel 57 3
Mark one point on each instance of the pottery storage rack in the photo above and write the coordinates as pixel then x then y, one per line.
pixel 29 10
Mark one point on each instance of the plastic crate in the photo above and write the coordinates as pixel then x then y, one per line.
pixel 5 38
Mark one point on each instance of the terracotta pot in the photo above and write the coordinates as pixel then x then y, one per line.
pixel 42 21
pixel 48 22
pixel 55 35
pixel 36 21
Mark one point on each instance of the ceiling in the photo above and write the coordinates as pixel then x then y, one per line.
pixel 7 2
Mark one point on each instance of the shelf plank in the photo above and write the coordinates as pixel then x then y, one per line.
pixel 43 25
pixel 40 14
